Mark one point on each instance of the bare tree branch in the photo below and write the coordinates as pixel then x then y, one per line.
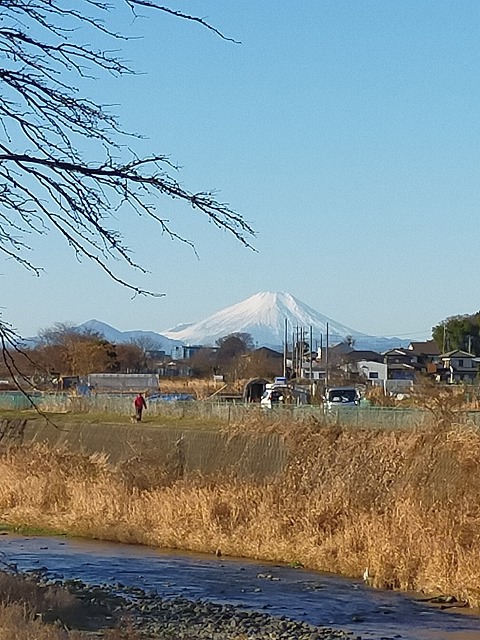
pixel 66 164
pixel 9 345
pixel 45 181
pixel 179 14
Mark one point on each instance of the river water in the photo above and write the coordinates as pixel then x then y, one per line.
pixel 319 598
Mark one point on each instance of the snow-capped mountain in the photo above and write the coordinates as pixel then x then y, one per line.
pixel 263 316
pixel 151 339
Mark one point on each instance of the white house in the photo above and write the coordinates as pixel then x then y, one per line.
pixel 374 372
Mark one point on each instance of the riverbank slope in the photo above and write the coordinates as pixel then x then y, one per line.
pixel 401 507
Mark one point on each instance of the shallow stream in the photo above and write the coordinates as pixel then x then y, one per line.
pixel 319 598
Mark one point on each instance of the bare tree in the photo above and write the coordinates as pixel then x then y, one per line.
pixel 237 342
pixel 74 352
pixel 58 334
pixel 145 343
pixel 46 182
pixel 130 358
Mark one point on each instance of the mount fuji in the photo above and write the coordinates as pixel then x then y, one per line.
pixel 263 316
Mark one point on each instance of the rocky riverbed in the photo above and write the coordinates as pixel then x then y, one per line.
pixel 178 618
pixel 204 593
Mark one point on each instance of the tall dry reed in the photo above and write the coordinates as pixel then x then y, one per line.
pixel 404 504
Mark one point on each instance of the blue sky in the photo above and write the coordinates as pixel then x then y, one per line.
pixel 346 132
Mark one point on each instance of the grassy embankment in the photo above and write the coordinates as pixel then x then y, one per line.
pixel 404 504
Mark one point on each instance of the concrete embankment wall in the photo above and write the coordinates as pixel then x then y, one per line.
pixel 189 450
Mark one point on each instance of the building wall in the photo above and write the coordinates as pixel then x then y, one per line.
pixel 133 382
pixel 372 370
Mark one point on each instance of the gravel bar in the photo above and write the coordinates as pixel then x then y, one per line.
pixel 178 618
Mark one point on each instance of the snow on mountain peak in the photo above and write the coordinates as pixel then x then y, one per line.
pixel 263 315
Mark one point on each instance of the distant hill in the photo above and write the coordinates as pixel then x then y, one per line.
pixel 156 340
pixel 263 316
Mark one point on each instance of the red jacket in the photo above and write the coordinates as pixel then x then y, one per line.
pixel 140 402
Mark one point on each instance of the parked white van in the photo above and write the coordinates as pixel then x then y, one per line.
pixel 280 392
pixel 341 397
pixel 274 394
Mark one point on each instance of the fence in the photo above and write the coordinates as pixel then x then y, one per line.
pixel 226 413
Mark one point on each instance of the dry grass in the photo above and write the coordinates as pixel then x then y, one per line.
pixel 199 387
pixel 25 606
pixel 404 504
pixel 31 610
pixel 16 623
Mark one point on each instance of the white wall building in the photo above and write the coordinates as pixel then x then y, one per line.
pixel 374 372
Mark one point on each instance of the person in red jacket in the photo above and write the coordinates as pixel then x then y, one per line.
pixel 140 405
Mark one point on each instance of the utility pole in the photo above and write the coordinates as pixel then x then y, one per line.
pixel 285 349
pixel 294 353
pixel 444 337
pixel 326 360
pixel 301 348
pixel 311 347
pixel 297 350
